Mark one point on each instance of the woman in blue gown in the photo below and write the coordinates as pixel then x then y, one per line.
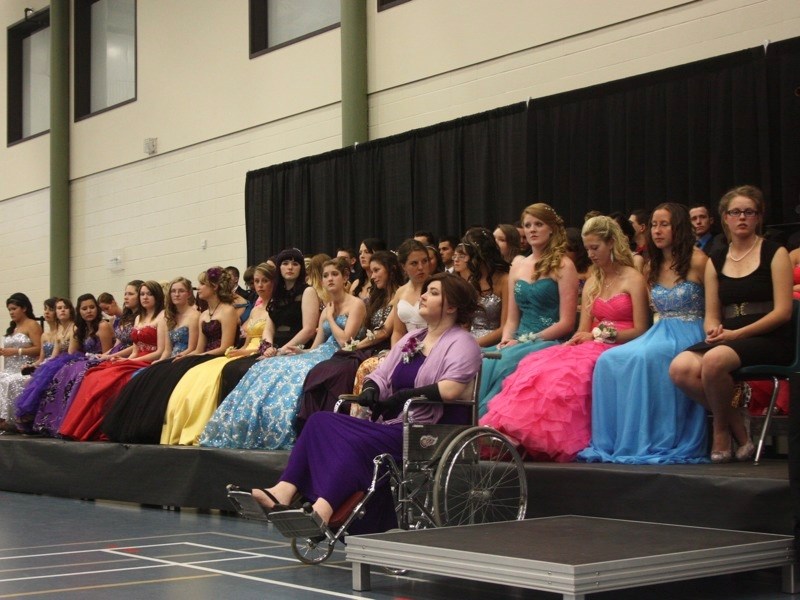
pixel 542 299
pixel 260 411
pixel 642 418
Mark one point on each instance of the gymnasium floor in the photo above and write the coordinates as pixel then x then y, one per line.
pixel 59 548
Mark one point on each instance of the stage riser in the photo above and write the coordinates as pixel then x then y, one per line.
pixel 742 497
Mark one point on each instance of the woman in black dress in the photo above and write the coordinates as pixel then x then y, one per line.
pixel 748 307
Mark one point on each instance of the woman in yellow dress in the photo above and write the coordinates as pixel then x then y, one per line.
pixel 196 396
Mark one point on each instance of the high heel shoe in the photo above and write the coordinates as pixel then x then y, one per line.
pixel 746 451
pixel 721 456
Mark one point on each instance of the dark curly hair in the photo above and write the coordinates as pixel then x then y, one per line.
pixel 22 301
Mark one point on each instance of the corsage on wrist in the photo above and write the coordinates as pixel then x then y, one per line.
pixel 264 346
pixel 528 337
pixel 605 333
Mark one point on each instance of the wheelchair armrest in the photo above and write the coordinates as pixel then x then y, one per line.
pixel 342 399
pixel 422 400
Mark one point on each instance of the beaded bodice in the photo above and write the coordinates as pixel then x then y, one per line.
pixel 48 348
pixel 179 338
pixel 488 319
pixel 146 338
pixel 14 364
pixel 685 301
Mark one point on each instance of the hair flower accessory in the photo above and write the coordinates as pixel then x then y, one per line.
pixel 605 333
pixel 213 274
pixel 410 348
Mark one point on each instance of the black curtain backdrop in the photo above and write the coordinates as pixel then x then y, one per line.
pixel 685 134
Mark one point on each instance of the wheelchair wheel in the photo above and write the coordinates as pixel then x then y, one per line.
pixel 480 479
pixel 311 551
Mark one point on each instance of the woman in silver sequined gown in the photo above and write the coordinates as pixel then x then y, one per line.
pixel 21 345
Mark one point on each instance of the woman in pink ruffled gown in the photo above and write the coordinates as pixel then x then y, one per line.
pixel 545 405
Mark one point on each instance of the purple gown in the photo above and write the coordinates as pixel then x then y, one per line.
pixel 67 381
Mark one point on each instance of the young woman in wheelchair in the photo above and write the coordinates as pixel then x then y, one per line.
pixel 333 458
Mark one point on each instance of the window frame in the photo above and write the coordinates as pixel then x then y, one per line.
pixel 16 33
pixel 257 25
pixel 82 77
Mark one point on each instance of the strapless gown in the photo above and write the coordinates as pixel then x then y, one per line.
pixel 545 405
pixel 538 303
pixel 65 383
pixel 260 411
pixel 638 415
pixel 12 381
pixel 196 396
pixel 27 403
pixel 101 386
pixel 138 413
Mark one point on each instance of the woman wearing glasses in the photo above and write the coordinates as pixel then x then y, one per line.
pixel 748 308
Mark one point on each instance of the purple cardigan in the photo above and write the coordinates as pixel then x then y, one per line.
pixel 455 357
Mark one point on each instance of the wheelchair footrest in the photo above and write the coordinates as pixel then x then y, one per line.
pixel 246 506
pixel 298 523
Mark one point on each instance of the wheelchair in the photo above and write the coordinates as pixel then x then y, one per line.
pixel 453 472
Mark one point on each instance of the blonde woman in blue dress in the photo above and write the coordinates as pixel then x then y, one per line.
pixel 259 412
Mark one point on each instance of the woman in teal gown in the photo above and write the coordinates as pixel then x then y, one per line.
pixel 260 411
pixel 542 299
pixel 643 418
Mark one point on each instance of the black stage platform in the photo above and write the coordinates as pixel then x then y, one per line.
pixel 733 496
pixel 572 555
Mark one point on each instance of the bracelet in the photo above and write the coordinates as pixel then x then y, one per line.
pixel 264 346
pixel 228 350
pixel 19 351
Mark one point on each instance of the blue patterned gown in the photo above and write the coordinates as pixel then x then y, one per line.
pixel 260 410
pixel 638 415
pixel 538 307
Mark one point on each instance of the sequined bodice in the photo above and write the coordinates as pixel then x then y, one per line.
pixel 13 364
pixel 254 328
pixel 145 338
pixel 341 321
pixel 488 319
pixel 92 345
pixel 48 348
pixel 213 331
pixel 379 318
pixel 123 334
pixel 538 304
pixel 684 301
pixel 179 338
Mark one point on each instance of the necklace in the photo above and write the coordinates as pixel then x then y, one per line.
pixel 212 311
pixel 608 283
pixel 730 251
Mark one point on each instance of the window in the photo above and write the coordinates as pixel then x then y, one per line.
pixel 384 4
pixel 277 23
pixel 29 77
pixel 105 55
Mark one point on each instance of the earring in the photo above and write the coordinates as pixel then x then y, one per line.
pixel 612 257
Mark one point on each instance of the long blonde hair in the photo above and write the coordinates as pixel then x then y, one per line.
pixel 550 260
pixel 606 229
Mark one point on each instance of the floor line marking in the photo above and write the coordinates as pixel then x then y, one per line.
pixel 88 550
pixel 54 575
pixel 250 577
pixel 107 585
